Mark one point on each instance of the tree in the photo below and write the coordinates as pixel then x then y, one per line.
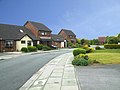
pixel 85 41
pixel 78 41
pixel 94 42
pixel 112 40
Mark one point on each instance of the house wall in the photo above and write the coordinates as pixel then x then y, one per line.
pixel 62 33
pixel 3 48
pixel 19 45
pixel 38 34
pixel 32 28
pixel 68 38
pixel 58 44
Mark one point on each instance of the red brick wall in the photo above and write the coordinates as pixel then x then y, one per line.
pixel 40 35
pixel 62 33
pixel 3 48
pixel 32 28
pixel 58 44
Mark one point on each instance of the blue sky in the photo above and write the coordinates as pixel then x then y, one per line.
pixel 87 18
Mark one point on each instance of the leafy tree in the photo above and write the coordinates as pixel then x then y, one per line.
pixel 94 42
pixel 85 41
pixel 112 40
pixel 78 41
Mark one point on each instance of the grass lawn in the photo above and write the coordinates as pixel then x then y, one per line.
pixel 108 56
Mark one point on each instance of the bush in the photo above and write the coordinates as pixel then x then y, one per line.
pixel 112 46
pixel 85 46
pixel 32 49
pixel 98 48
pixel 89 50
pixel 80 62
pixel 45 48
pixel 24 49
pixel 39 46
pixel 79 51
pixel 81 56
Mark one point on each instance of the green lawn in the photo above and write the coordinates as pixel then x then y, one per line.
pixel 108 56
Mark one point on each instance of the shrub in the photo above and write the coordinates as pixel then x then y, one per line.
pixel 79 51
pixel 89 50
pixel 78 45
pixel 32 49
pixel 45 48
pixel 74 61
pixel 24 49
pixel 98 48
pixel 39 46
pixel 80 62
pixel 81 56
pixel 112 46
pixel 85 46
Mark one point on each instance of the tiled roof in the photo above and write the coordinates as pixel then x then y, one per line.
pixel 40 26
pixel 57 38
pixel 14 32
pixel 68 32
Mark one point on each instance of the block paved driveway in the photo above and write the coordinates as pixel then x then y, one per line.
pixel 102 77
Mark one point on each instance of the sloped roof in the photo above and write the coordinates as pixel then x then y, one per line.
pixel 40 26
pixel 14 32
pixel 68 32
pixel 57 38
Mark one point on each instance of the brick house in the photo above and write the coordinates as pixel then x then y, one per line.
pixel 13 37
pixel 40 31
pixel 102 40
pixel 58 40
pixel 68 36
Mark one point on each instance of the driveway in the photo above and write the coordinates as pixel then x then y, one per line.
pixel 102 77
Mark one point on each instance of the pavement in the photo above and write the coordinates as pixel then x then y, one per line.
pixel 58 74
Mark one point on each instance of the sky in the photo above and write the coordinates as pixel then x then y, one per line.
pixel 88 19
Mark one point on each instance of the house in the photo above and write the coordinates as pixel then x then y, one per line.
pixel 40 31
pixel 101 40
pixel 13 37
pixel 57 40
pixel 68 36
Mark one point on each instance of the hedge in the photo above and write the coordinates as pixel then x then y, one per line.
pixel 112 46
pixel 32 49
pixel 24 49
pixel 79 51
pixel 39 46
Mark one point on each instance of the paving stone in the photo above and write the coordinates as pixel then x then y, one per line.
pixel 39 82
pixel 47 71
pixel 69 88
pixel 69 75
pixel 55 75
pixel 35 88
pixel 52 87
pixel 57 70
pixel 69 82
pixel 54 81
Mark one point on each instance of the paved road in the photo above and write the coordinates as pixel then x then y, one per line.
pixel 15 72
pixel 106 77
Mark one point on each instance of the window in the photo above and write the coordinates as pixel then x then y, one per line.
pixel 42 33
pixel 45 33
pixel 9 43
pixel 22 42
pixel 29 43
